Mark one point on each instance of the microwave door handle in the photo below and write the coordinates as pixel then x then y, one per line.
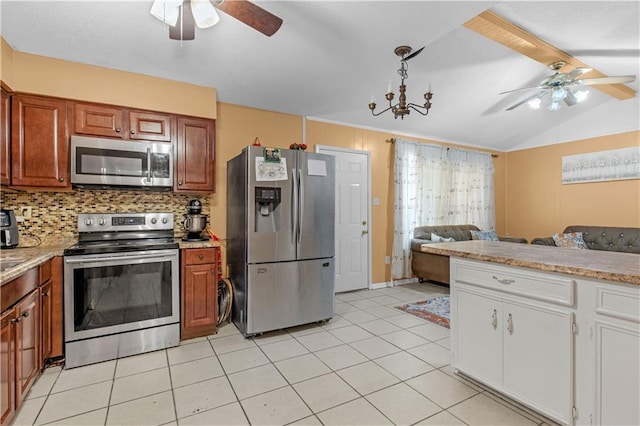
pixel 149 178
pixel 7 236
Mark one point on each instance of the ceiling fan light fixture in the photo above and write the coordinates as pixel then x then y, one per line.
pixel 558 94
pixel 204 13
pixel 581 95
pixel 535 103
pixel 554 106
pixel 166 11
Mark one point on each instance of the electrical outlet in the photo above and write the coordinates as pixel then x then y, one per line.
pixel 387 260
pixel 26 212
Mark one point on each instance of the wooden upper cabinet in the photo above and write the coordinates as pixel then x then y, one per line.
pixel 39 142
pixel 5 138
pixel 150 126
pixel 99 120
pixel 122 123
pixel 195 145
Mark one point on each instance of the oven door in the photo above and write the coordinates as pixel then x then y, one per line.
pixel 119 292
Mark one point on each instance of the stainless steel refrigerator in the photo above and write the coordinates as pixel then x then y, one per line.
pixel 280 238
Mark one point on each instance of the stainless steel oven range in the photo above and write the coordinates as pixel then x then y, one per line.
pixel 121 287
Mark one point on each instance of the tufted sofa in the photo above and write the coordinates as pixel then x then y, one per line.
pixel 435 267
pixel 609 238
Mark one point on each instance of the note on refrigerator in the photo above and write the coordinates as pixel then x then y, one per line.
pixel 266 171
pixel 316 167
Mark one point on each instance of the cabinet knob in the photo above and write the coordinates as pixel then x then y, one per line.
pixel 118 130
pixel 201 256
pixel 133 132
pixel 25 314
pixel 60 179
pixel 45 294
pixel 16 320
pixel 179 182
pixel 213 271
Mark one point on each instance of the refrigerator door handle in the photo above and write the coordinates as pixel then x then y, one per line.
pixel 294 206
pixel 300 202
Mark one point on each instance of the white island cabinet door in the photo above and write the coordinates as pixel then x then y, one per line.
pixel 538 353
pixel 478 335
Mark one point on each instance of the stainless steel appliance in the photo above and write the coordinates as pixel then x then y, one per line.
pixel 9 237
pixel 110 163
pixel 194 222
pixel 280 238
pixel 121 287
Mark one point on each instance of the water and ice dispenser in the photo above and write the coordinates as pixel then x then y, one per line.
pixel 267 218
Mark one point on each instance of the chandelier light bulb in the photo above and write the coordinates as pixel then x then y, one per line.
pixel 558 94
pixel 554 106
pixel 389 87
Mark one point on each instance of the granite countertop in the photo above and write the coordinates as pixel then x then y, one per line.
pixel 197 244
pixel 597 264
pixel 30 257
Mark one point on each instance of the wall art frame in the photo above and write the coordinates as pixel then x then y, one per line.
pixel 601 166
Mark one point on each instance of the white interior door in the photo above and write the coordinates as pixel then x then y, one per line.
pixel 353 251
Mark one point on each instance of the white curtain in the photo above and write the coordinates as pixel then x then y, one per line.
pixel 436 185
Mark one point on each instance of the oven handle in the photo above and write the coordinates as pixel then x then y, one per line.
pixel 149 178
pixel 116 258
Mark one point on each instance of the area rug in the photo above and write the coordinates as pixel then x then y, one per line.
pixel 434 310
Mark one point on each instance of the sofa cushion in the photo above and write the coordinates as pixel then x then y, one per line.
pixel 570 240
pixel 489 235
pixel 438 239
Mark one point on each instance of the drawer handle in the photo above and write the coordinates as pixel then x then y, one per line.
pixel 16 320
pixel 505 281
pixel 494 319
pixel 510 324
pixel 118 130
pixel 60 179
pixel 201 256
pixel 133 132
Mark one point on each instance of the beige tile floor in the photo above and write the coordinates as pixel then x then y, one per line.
pixel 370 365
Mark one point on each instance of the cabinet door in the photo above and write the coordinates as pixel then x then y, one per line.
pixel 27 343
pixel 5 138
pixel 199 296
pixel 478 341
pixel 195 152
pixel 39 144
pixel 538 353
pixel 149 126
pixel 99 120
pixel 617 351
pixel 7 367
pixel 46 308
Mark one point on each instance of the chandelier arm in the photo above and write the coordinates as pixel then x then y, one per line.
pixel 418 108
pixel 382 112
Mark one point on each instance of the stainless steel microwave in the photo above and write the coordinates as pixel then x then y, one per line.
pixel 110 163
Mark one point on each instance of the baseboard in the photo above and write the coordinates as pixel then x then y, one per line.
pixel 392 283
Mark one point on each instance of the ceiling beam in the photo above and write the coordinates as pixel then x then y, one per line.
pixel 512 36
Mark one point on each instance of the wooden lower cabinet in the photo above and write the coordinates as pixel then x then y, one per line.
pixel 199 292
pixel 7 367
pixel 30 331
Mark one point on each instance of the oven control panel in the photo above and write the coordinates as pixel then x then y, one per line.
pixel 109 222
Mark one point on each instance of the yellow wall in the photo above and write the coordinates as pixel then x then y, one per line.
pixel 24 72
pixel 537 204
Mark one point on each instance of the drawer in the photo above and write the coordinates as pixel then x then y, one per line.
pixel 199 256
pixel 519 281
pixel 622 303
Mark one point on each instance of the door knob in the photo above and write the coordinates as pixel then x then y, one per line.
pixel 364 222
pixel 365 232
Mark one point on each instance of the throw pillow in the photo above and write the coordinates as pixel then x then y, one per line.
pixel 570 240
pixel 438 239
pixel 489 235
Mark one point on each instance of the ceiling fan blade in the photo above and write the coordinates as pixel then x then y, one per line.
pixel 250 14
pixel 522 88
pixel 577 72
pixel 502 31
pixel 414 54
pixel 524 101
pixel 185 28
pixel 607 80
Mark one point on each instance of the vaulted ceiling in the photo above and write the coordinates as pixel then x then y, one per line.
pixel 329 57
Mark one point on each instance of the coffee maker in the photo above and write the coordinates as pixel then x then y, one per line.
pixel 194 222
pixel 8 229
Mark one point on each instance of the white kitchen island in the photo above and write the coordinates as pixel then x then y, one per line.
pixel 556 329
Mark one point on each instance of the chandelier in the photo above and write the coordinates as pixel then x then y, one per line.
pixel 402 108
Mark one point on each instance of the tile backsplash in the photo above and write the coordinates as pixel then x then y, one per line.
pixel 55 214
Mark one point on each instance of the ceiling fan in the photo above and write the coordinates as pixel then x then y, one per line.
pixel 567 84
pixel 565 87
pixel 183 16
